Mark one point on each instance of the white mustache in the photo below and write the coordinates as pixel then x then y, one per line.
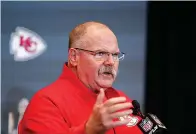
pixel 108 69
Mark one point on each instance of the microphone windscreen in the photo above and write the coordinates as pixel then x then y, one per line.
pixel 136 104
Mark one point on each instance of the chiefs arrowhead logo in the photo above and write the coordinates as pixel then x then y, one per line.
pixel 133 120
pixel 26 44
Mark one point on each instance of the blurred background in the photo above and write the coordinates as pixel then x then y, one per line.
pixel 157 37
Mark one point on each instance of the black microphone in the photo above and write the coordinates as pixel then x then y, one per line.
pixel 136 109
pixel 149 124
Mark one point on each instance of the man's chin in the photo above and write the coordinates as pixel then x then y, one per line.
pixel 105 83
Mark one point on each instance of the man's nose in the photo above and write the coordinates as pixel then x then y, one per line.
pixel 109 60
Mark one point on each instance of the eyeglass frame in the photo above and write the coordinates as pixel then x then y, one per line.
pixel 94 53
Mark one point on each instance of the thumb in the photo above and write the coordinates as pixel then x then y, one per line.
pixel 100 96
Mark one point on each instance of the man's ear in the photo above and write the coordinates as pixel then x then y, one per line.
pixel 73 58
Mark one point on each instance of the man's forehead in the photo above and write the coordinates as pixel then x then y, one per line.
pixel 98 46
pixel 101 42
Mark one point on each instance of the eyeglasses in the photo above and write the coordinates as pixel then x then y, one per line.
pixel 102 55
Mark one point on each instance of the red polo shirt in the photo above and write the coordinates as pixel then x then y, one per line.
pixel 64 106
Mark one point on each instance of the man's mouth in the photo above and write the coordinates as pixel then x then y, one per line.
pixel 108 74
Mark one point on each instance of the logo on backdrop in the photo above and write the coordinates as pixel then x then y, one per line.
pixel 26 44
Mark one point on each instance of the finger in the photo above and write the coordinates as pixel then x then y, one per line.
pixel 115 100
pixel 100 97
pixel 121 114
pixel 120 123
pixel 120 106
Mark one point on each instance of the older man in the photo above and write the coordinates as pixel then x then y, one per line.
pixel 82 100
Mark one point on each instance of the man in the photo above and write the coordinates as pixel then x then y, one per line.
pixel 82 100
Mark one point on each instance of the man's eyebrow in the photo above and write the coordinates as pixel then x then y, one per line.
pixel 101 50
pixel 104 50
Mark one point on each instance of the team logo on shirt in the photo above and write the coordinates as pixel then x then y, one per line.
pixel 132 122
